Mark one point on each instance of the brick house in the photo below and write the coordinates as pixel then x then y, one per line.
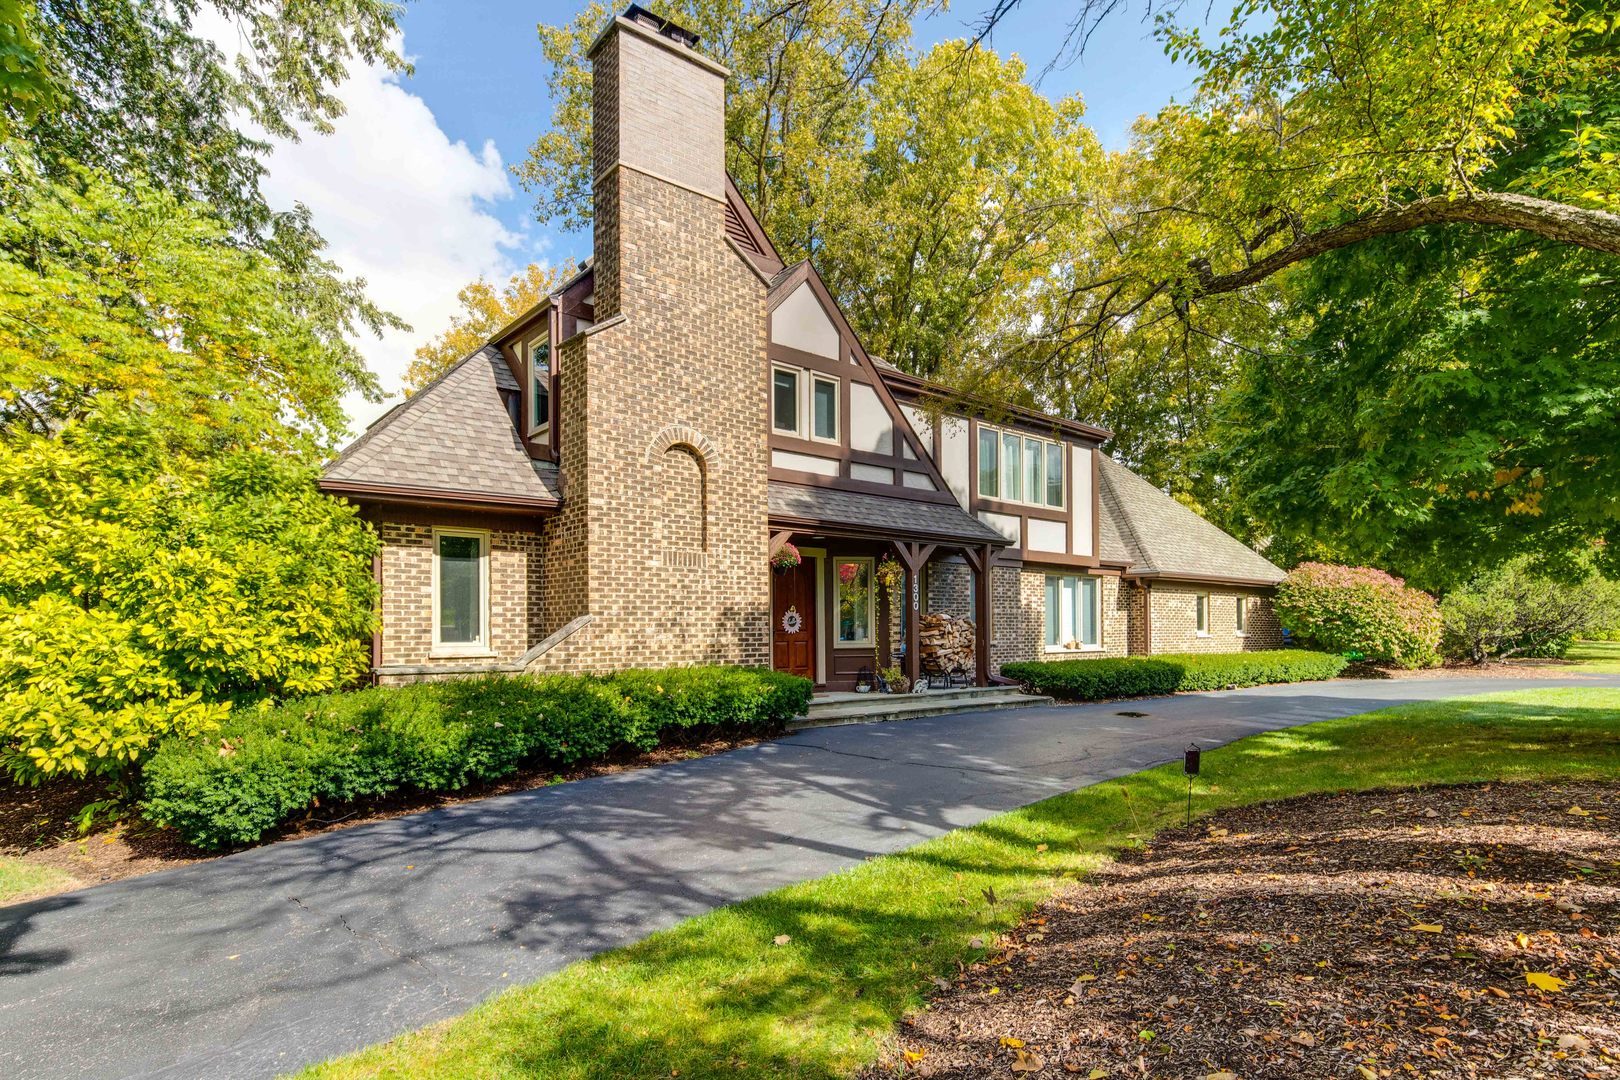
pixel 603 484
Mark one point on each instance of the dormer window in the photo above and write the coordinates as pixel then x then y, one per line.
pixel 539 351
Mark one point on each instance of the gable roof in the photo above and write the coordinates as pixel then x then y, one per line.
pixel 1158 537
pixel 451 441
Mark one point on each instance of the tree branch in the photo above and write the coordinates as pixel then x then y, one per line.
pixel 1596 230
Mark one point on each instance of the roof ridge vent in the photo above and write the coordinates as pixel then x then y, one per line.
pixel 661 26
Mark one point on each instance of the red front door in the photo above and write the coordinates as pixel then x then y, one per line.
pixel 793 619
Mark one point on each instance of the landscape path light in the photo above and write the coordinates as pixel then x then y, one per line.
pixel 1189 765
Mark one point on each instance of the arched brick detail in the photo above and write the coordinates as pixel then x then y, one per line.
pixel 690 438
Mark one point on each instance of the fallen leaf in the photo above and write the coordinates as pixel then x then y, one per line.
pixel 1304 1038
pixel 1366 1073
pixel 976 943
pixel 914 1056
pixel 1542 981
pixel 1011 1043
pixel 1498 991
pixel 780 939
pixel 1221 1076
pixel 1578 812
pixel 1428 928
pixel 1085 978
pixel 1097 1074
pixel 1040 847
pixel 1027 1062
pixel 1522 940
pixel 1573 1042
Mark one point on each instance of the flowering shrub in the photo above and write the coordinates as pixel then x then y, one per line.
pixel 1357 609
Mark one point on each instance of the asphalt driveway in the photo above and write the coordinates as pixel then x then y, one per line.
pixel 264 961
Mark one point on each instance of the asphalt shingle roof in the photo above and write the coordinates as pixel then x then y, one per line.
pixel 908 517
pixel 455 436
pixel 1155 534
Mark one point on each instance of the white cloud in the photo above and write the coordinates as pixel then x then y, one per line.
pixel 400 205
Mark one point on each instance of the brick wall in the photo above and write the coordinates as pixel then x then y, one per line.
pixel 1175 620
pixel 515 601
pixel 684 372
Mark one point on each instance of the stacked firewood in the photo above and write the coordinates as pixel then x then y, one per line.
pixel 945 642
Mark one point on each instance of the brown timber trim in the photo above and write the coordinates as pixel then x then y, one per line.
pixel 1147 618
pixel 815 361
pixel 1068 562
pixel 1025 510
pixel 377 632
pixel 981 560
pixel 453 517
pixel 917 387
pixel 844 530
pixel 1203 579
pixel 865 487
pixel 515 504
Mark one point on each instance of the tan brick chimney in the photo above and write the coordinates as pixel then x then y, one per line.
pixel 662 538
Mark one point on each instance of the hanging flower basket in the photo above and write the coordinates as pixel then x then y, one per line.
pixel 891 575
pixel 786 558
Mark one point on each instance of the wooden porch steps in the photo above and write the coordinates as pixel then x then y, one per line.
pixel 827 710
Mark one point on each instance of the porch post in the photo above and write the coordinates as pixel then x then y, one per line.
pixel 980 561
pixel 913 556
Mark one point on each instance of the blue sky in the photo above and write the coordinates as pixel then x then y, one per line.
pixel 478 68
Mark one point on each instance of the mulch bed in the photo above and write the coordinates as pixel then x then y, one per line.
pixel 1533 668
pixel 1359 936
pixel 39 824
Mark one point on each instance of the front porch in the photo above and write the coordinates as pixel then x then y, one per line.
pixel 854 607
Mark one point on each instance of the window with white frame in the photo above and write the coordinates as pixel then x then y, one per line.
pixel 804 403
pixel 1201 613
pixel 1242 624
pixel 460 591
pixel 856 601
pixel 539 386
pixel 1021 468
pixel 1073 612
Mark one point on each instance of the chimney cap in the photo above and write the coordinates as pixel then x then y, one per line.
pixel 660 25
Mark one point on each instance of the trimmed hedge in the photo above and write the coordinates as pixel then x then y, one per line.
pixel 265 766
pixel 1142 676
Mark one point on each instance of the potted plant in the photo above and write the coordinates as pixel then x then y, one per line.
pixel 863 681
pixel 785 557
pixel 895 679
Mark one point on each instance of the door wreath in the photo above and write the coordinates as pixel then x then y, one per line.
pixel 792 621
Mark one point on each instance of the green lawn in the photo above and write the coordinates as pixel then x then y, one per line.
pixel 20 881
pixel 714 997
pixel 1599 656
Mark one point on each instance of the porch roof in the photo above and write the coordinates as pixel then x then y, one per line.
pixel 854 513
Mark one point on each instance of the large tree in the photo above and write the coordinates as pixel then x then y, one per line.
pixel 931 188
pixel 137 90
pixel 484 310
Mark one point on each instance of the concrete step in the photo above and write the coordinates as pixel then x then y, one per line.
pixel 832 709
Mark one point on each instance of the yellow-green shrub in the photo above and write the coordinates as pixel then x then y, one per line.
pixel 141 595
